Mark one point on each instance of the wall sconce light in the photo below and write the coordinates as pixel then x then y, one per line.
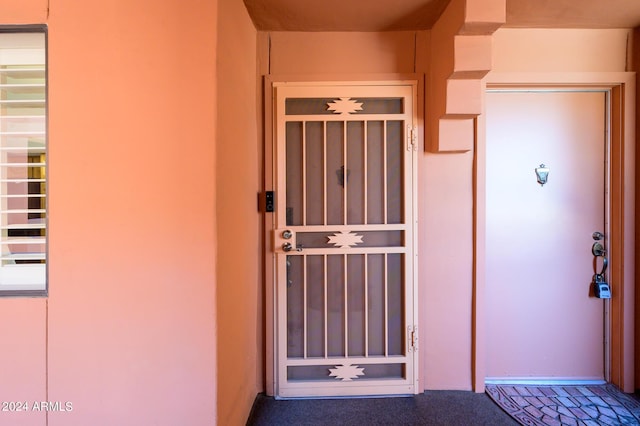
pixel 542 173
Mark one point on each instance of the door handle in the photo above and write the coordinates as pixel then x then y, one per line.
pixel 287 247
pixel 605 263
pixel 602 290
pixel 598 250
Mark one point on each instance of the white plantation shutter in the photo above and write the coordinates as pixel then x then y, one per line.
pixel 23 156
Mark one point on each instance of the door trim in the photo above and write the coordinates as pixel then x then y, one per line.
pixel 619 202
pixel 270 184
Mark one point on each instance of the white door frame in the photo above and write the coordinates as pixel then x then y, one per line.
pixel 271 181
pixel 620 207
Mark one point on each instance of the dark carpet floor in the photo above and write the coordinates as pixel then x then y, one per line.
pixel 447 408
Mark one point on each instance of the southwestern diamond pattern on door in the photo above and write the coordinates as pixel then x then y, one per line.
pixel 344 239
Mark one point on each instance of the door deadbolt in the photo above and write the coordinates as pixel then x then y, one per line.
pixel 286 234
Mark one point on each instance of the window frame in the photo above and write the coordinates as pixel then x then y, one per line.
pixel 44 291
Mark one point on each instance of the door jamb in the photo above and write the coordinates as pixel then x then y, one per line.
pixel 619 201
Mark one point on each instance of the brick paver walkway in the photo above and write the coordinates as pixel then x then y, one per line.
pixel 566 405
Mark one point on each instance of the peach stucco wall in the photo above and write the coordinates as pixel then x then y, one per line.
pixel 561 50
pixel 337 53
pixel 239 179
pixel 24 12
pixel 127 334
pixel 636 68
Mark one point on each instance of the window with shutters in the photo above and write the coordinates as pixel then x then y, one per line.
pixel 23 161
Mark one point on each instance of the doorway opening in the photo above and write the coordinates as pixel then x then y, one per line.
pixel 613 356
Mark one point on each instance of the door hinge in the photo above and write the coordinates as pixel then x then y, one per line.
pixel 412 338
pixel 412 138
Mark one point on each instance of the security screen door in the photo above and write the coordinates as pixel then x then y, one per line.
pixel 344 239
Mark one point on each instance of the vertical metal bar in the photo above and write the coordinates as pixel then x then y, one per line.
pixel 365 146
pixel 344 172
pixel 304 173
pixel 386 304
pixel 346 306
pixel 324 171
pixel 366 305
pixel 384 170
pixel 304 302
pixel 326 309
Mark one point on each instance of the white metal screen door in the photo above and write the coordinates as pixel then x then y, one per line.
pixel 344 239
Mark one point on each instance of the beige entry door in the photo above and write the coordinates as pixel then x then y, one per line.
pixel 344 239
pixel 543 322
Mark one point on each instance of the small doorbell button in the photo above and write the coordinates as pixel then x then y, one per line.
pixel 269 202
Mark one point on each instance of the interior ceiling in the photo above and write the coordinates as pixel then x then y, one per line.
pixel 397 15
